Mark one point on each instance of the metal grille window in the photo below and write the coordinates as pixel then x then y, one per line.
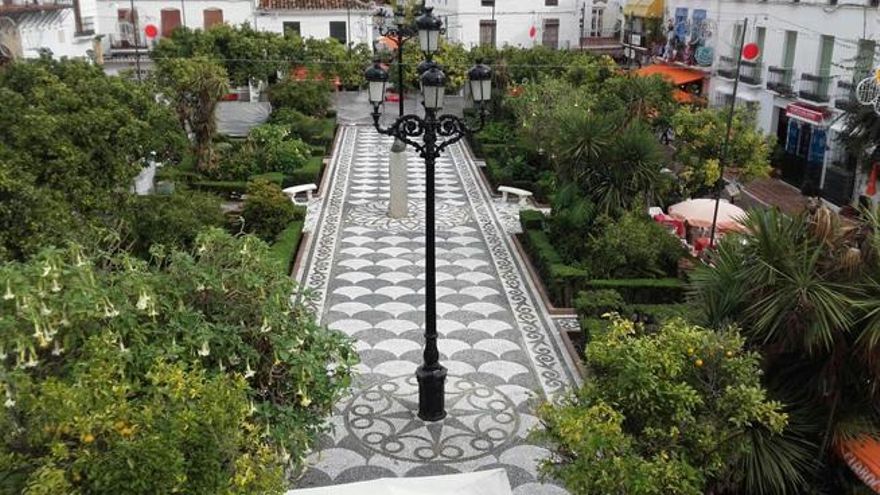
pixel 337 30
pixel 487 33
pixel 291 28
pixel 550 36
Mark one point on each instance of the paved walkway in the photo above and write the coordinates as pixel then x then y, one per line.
pixel 364 275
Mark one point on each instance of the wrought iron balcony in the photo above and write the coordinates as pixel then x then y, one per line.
pixel 779 80
pixel 726 67
pixel 16 6
pixel 750 72
pixel 844 94
pixel 814 88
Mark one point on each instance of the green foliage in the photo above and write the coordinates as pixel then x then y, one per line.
pixel 308 97
pixel 194 86
pixel 191 373
pixel 170 220
pixel 666 413
pixel 283 250
pixel 267 210
pixel 571 223
pixel 312 130
pixel 531 220
pixel 633 246
pixel 310 173
pixel 275 150
pixel 804 290
pixel 562 281
pixel 597 303
pixel 699 137
pixel 59 178
pixel 644 290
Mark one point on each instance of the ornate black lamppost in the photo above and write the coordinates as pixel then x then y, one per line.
pixel 437 132
pixel 400 33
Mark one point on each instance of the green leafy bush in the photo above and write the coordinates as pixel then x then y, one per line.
pixel 633 246
pixel 644 290
pixel 561 280
pixel 193 373
pixel 310 173
pixel 267 210
pixel 672 412
pixel 275 150
pixel 312 130
pixel 173 220
pixel 283 250
pixel 309 97
pixel 596 303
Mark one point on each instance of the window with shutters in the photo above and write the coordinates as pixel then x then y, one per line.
pixel 212 17
pixel 487 33
pixel 126 35
pixel 551 3
pixel 550 37
pixel 337 31
pixel 170 21
pixel 291 28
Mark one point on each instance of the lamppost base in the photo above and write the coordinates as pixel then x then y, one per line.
pixel 432 393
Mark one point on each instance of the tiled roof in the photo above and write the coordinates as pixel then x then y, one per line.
pixel 314 4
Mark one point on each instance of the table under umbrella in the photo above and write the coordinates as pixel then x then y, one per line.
pixel 699 212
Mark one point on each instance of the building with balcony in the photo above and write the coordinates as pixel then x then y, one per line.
pixel 643 32
pixel 62 28
pixel 812 53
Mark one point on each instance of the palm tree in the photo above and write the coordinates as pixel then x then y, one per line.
pixel 805 291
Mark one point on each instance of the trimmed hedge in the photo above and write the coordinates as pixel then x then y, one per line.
pixel 595 303
pixel 310 173
pixel 531 220
pixel 665 312
pixel 644 290
pixel 561 280
pixel 276 178
pixel 284 249
pixel 228 188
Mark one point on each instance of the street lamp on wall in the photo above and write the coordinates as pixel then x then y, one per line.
pixel 430 136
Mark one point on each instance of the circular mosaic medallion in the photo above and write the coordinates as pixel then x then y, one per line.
pixel 375 215
pixel 480 419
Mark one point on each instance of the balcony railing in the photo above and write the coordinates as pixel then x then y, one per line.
pixel 726 67
pixel 843 94
pixel 13 6
pixel 779 80
pixel 814 88
pixel 126 37
pixel 750 72
pixel 635 38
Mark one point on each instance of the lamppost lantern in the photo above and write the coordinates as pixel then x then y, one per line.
pixel 433 88
pixel 425 66
pixel 377 77
pixel 480 79
pixel 429 31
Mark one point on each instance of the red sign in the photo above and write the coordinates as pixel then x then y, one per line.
pixel 810 114
pixel 151 30
pixel 533 31
pixel 751 51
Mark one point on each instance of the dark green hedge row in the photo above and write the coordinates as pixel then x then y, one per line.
pixel 310 173
pixel 644 290
pixel 562 281
pixel 284 249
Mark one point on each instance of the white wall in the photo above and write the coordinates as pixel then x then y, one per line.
pixel 55 31
pixel 513 19
pixel 316 23
pixel 235 12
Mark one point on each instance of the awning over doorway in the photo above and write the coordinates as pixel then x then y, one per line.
pixel 644 8
pixel 807 113
pixel 676 75
pixel 863 457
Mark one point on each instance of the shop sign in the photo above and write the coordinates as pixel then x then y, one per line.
pixel 802 112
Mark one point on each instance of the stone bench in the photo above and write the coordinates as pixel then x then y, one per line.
pixel 293 191
pixel 521 193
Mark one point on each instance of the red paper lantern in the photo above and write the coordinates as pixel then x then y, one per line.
pixel 151 30
pixel 751 51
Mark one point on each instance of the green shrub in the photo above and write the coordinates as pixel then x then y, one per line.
pixel 172 220
pixel 633 246
pixel 310 173
pixel 227 188
pixel 276 178
pixel 675 412
pixel 315 131
pixel 191 374
pixel 662 313
pixel 531 220
pixel 644 290
pixel 283 250
pixel 275 151
pixel 561 280
pixel 596 303
pixel 309 97
pixel 267 210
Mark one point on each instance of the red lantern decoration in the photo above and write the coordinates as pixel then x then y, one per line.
pixel 751 51
pixel 533 31
pixel 151 30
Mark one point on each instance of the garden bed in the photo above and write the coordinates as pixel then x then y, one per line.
pixel 284 249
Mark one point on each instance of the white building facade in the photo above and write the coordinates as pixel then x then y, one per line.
pixel 811 53
pixel 349 21
pixel 527 23
pixel 62 28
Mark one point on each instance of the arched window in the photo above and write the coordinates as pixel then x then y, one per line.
pixel 212 16
pixel 170 21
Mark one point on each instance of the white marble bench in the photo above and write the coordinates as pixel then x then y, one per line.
pixel 293 191
pixel 521 193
